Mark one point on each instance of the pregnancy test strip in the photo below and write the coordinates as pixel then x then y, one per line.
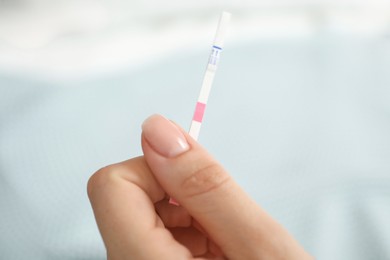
pixel 208 79
pixel 209 75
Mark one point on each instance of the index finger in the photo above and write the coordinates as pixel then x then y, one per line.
pixel 122 197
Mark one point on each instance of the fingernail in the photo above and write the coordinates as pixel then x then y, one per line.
pixel 164 137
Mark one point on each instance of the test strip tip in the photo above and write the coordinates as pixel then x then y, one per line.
pixel 172 201
pixel 226 15
pixel 222 28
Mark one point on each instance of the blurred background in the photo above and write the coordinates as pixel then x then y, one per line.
pixel 299 112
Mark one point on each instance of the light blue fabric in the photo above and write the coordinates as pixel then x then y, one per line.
pixel 303 125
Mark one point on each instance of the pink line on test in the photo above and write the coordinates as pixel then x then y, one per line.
pixel 199 112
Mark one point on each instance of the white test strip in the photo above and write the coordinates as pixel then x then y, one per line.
pixel 209 75
pixel 208 79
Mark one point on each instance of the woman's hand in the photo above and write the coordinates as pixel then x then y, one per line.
pixel 215 219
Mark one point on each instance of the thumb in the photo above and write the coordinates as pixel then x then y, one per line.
pixel 190 175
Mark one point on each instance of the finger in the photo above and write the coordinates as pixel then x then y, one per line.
pixel 192 239
pixel 189 174
pixel 122 197
pixel 173 216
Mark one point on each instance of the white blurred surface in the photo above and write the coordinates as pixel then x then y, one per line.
pixel 307 84
pixel 68 39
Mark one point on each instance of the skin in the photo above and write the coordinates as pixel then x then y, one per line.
pixel 216 219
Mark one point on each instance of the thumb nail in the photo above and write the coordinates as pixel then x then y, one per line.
pixel 164 137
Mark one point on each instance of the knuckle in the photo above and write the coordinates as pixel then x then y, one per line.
pixel 102 178
pixel 208 178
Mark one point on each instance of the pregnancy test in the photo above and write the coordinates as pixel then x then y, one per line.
pixel 209 75
pixel 208 79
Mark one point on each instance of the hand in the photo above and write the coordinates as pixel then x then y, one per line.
pixel 216 218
